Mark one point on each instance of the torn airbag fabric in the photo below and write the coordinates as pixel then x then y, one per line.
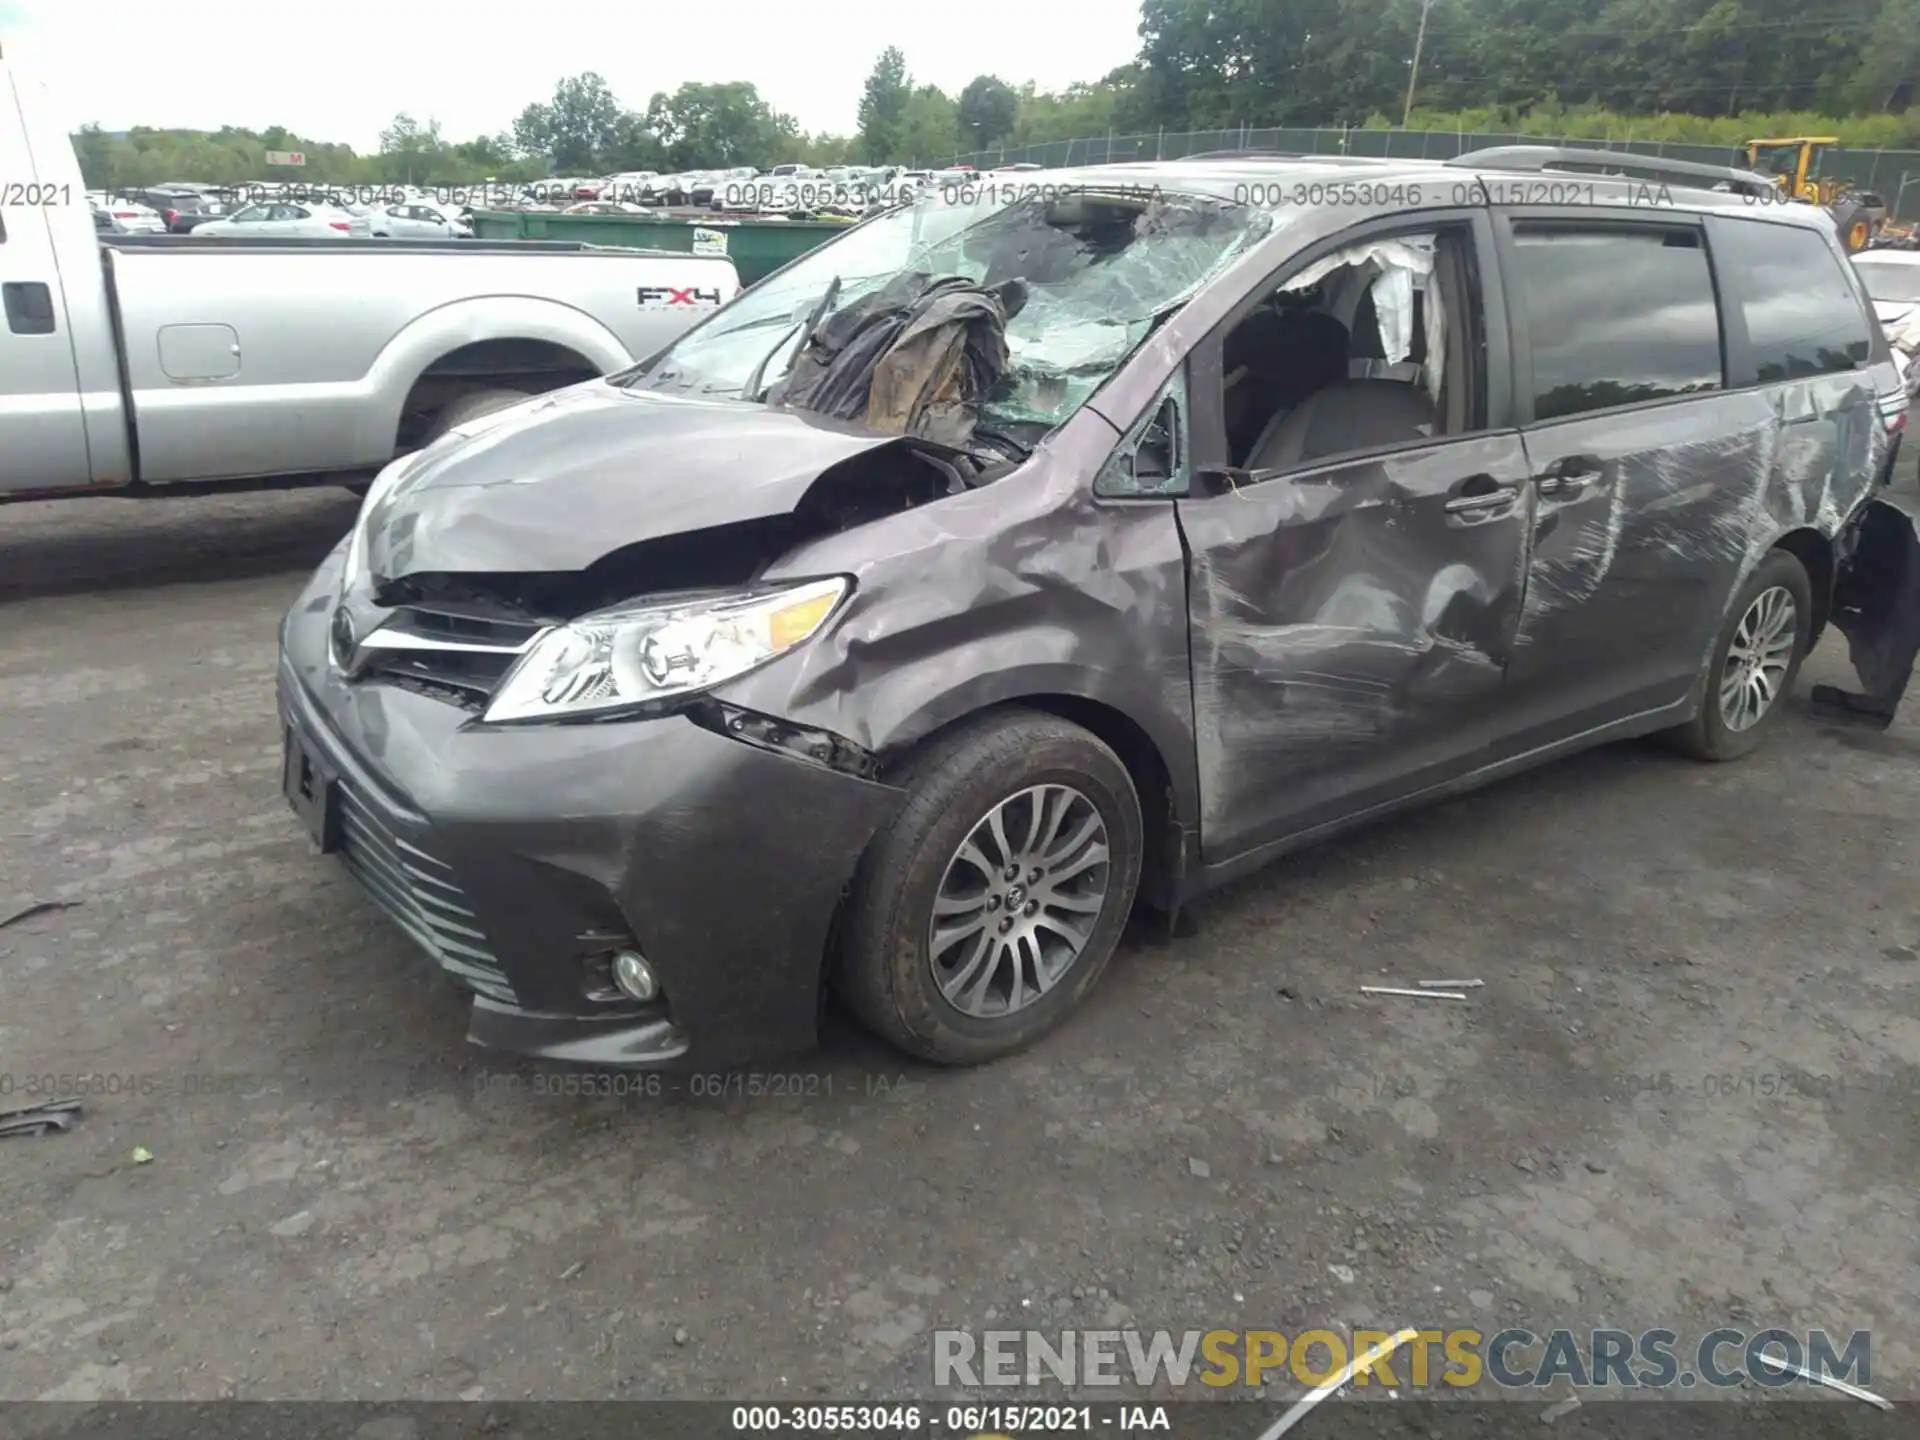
pixel 915 357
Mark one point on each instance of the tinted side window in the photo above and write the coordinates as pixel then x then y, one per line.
pixel 1616 316
pixel 1803 315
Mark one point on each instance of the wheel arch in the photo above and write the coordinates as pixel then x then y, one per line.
pixel 1165 812
pixel 1815 552
pixel 483 342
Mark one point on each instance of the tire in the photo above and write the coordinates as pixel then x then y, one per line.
pixel 459 411
pixel 1711 734
pixel 472 406
pixel 885 970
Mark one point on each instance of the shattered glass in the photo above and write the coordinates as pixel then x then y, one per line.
pixel 1100 271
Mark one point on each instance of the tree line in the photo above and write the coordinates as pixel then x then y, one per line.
pixel 1706 71
pixel 1206 64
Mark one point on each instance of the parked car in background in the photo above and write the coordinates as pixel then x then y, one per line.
pixel 1892 278
pixel 311 219
pixel 117 215
pixel 183 208
pixel 628 185
pixel 419 220
pixel 606 207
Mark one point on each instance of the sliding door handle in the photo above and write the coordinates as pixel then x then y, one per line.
pixel 1570 476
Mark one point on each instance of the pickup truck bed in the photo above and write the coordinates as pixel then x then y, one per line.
pixel 140 364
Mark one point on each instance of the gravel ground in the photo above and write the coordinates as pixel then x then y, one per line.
pixel 345 1200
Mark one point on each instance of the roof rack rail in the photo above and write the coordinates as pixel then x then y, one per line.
pixel 1689 173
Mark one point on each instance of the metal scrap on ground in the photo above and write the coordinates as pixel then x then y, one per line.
pixel 1411 994
pixel 32 1121
pixel 1364 1360
pixel 1845 1387
pixel 39 907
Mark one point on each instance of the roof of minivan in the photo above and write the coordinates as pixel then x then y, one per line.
pixel 1233 178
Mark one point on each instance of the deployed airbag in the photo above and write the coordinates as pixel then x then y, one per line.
pixel 915 357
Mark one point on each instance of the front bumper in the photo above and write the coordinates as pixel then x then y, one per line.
pixel 510 854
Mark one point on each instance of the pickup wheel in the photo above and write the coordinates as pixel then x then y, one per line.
pixel 471 407
pixel 467 407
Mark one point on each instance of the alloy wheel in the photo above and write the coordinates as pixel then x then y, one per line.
pixel 1018 901
pixel 1758 658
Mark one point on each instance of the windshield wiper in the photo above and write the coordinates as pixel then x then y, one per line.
pixel 752 389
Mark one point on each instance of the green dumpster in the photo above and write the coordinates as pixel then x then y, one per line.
pixel 756 247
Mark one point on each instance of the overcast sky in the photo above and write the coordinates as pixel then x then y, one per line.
pixel 340 70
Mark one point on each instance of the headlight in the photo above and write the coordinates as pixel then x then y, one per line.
pixel 620 658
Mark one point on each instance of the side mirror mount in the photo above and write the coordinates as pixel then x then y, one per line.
pixel 1156 455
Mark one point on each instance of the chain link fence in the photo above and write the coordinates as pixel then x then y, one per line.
pixel 1891 173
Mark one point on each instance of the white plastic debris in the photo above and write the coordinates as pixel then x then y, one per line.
pixel 1845 1387
pixel 1411 994
pixel 1304 1406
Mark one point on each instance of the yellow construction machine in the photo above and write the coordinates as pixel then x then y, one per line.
pixel 1794 165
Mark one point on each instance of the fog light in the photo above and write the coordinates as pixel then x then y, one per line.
pixel 633 975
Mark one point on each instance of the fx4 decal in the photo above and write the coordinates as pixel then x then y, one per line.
pixel 658 297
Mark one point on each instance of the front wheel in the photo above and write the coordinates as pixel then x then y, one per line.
pixel 1754 662
pixel 990 905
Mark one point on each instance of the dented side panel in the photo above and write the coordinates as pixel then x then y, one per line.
pixel 1631 575
pixel 1027 589
pixel 1349 633
pixel 1632 567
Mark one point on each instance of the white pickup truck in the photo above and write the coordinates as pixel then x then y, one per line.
pixel 152 364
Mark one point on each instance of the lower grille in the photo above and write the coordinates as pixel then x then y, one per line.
pixel 418 891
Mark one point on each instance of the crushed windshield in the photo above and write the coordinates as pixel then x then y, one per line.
pixel 1099 269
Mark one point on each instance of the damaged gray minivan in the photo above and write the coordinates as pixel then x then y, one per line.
pixel 1030 552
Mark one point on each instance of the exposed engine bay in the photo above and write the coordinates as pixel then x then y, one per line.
pixel 922 356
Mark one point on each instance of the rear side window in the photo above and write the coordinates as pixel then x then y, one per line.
pixel 1616 316
pixel 1803 315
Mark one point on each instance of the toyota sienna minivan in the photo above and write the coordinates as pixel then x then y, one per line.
pixel 1054 545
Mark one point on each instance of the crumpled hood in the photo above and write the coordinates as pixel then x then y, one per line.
pixel 556 485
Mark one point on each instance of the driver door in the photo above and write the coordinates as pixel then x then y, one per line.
pixel 1352 610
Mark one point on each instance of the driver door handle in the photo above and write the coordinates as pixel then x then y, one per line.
pixel 1480 492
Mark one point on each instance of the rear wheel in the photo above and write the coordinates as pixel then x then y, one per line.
pixel 1755 662
pixel 990 905
pixel 471 406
